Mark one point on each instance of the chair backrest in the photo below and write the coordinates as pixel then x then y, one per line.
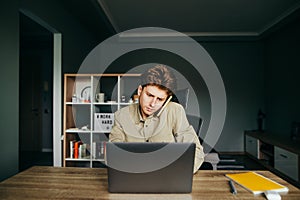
pixel 196 122
pixel 182 97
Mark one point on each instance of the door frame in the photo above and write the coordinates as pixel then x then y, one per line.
pixel 57 98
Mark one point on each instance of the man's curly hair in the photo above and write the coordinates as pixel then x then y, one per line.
pixel 160 76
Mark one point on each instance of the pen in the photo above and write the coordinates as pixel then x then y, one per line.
pixel 232 187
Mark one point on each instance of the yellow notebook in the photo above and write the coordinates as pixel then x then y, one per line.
pixel 256 183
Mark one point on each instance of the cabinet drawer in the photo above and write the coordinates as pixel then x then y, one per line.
pixel 286 162
pixel 252 145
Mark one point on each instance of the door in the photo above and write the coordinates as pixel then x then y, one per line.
pixel 30 104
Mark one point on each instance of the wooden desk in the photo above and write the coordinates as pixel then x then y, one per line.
pixel 91 183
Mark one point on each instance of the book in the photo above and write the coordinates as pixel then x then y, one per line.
pixel 82 151
pixel 256 183
pixel 72 149
pixel 76 150
pixel 99 149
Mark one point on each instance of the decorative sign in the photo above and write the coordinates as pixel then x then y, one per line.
pixel 103 121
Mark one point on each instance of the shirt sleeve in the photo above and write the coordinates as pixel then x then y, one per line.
pixel 184 132
pixel 117 133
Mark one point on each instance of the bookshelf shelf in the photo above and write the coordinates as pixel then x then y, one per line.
pixel 77 131
pixel 99 160
pixel 77 159
pixel 107 104
pixel 101 132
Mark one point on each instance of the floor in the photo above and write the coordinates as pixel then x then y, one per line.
pixel 31 158
pixel 242 162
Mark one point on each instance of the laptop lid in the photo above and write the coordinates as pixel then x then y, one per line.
pixel 150 167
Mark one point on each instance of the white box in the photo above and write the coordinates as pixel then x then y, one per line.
pixel 103 121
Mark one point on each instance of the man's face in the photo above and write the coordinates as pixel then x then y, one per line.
pixel 151 99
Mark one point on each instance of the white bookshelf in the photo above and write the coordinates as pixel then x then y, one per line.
pixel 79 115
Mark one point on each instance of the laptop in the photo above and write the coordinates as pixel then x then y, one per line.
pixel 150 167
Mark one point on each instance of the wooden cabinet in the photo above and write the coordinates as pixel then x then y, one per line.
pixel 286 162
pixel 279 154
pixel 252 146
pixel 86 121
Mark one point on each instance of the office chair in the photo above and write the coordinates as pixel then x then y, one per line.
pixel 181 97
pixel 211 159
pixel 196 122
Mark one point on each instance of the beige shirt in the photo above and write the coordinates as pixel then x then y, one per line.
pixel 171 126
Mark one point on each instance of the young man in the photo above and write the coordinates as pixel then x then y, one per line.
pixel 155 118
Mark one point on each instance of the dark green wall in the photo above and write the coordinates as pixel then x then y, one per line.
pixel 76 38
pixel 9 76
pixel 241 66
pixel 282 56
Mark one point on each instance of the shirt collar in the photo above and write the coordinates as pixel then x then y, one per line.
pixel 137 114
pixel 135 111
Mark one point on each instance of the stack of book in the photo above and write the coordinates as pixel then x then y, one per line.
pixel 99 149
pixel 78 149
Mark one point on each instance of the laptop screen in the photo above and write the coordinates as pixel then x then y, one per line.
pixel 150 167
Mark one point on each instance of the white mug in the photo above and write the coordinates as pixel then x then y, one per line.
pixel 100 97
